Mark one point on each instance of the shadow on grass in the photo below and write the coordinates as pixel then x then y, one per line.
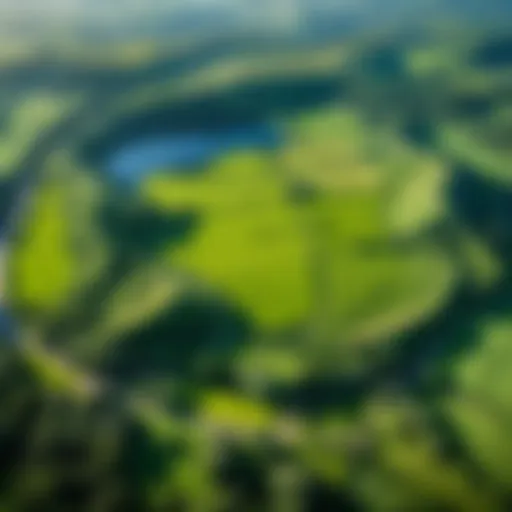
pixel 136 236
pixel 196 338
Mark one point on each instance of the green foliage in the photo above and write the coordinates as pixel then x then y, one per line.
pixel 311 327
pixel 480 403
pixel 460 143
pixel 44 265
pixel 335 252
pixel 59 248
pixel 29 119
pixel 249 242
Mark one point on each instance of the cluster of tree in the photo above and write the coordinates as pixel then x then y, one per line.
pixel 131 387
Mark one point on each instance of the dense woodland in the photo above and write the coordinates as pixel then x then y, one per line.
pixel 321 324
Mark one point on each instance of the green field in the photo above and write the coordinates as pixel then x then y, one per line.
pixel 323 325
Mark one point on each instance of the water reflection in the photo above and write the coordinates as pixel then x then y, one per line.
pixel 185 151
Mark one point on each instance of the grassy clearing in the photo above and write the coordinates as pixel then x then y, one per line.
pixel 328 150
pixel 368 280
pixel 58 248
pixel 461 143
pixel 480 403
pixel 281 260
pixel 28 121
pixel 249 243
pixel 43 263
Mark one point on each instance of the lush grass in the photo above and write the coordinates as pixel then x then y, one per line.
pixel 410 470
pixel 420 202
pixel 479 404
pixel 461 143
pixel 328 150
pixel 28 120
pixel 43 263
pixel 249 242
pixel 281 261
pixel 372 284
pixel 58 248
pixel 234 413
pixel 328 237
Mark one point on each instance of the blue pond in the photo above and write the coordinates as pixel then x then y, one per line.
pixel 180 152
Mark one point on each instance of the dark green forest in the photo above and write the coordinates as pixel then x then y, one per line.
pixel 314 315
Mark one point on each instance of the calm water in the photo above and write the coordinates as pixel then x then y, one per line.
pixel 181 152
